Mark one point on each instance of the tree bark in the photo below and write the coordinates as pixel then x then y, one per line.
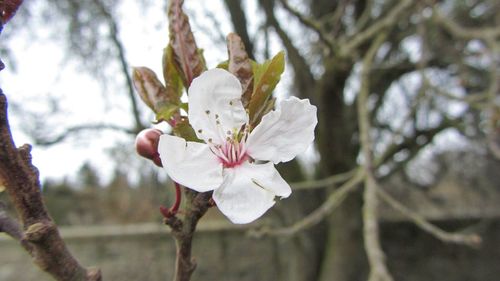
pixel 344 257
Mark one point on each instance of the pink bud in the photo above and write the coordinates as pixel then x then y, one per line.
pixel 146 145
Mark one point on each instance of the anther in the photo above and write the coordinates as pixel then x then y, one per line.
pixel 207 111
pixel 200 131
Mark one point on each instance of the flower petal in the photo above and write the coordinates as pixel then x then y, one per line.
pixel 248 191
pixel 285 132
pixel 191 164
pixel 215 105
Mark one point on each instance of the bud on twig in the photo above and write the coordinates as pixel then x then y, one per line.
pixel 146 145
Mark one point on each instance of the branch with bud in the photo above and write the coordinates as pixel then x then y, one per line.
pixel 223 151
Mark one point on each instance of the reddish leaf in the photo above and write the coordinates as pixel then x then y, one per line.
pixel 240 65
pixel 188 58
pixel 163 101
pixel 8 9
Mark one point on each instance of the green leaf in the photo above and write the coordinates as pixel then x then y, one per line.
pixel 173 81
pixel 185 106
pixel 224 65
pixel 266 76
pixel 165 112
pixel 184 130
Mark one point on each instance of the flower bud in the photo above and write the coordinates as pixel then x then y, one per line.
pixel 146 144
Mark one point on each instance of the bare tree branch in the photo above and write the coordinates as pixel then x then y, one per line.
pixel 183 232
pixel 463 32
pixel 362 36
pixel 43 140
pixel 326 182
pixel 238 18
pixel 376 256
pixel 304 77
pixel 312 24
pixel 21 180
pixel 125 68
pixel 333 201
pixel 12 228
pixel 421 222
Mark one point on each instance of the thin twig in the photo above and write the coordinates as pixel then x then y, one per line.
pixel 464 32
pixel 183 231
pixel 296 59
pixel 310 23
pixel 422 223
pixel 321 183
pixel 46 141
pixel 12 228
pixel 114 36
pixel 333 201
pixel 365 35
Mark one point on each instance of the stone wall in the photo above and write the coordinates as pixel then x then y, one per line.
pixel 231 255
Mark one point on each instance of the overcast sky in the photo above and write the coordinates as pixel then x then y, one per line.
pixel 44 74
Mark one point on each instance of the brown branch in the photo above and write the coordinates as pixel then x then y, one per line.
pixel 183 230
pixel 8 9
pixel 12 228
pixel 21 180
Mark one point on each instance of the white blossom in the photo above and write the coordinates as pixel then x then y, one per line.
pixel 237 164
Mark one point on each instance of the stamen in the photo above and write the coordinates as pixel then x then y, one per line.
pixel 233 153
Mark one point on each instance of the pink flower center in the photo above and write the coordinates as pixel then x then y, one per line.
pixel 231 154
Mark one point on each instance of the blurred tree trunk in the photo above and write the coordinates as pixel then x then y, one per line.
pixel 343 258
